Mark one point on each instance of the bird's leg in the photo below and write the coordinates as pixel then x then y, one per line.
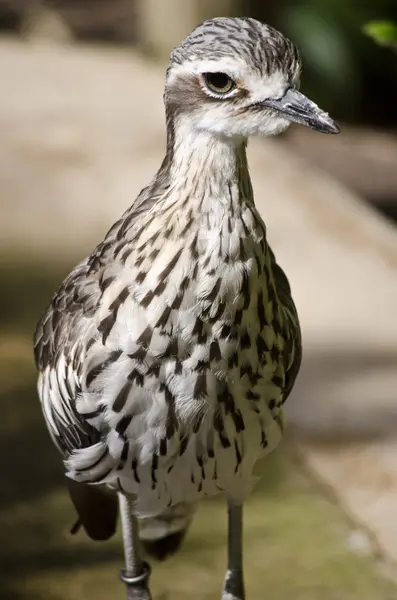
pixel 233 588
pixel 136 572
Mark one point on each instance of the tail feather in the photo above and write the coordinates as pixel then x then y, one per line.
pixel 166 546
pixel 163 534
pixel 97 508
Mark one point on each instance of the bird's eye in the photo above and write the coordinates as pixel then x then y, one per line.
pixel 219 83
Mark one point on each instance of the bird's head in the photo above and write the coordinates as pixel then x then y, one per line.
pixel 235 77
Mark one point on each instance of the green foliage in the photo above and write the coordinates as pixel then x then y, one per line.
pixel 383 32
pixel 343 70
pixel 327 35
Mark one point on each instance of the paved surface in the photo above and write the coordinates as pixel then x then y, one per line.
pixel 82 132
pixel 363 159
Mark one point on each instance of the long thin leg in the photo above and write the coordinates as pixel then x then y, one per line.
pixel 233 588
pixel 136 572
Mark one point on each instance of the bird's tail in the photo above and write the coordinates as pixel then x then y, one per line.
pixel 161 535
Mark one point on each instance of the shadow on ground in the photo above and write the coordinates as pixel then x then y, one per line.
pixel 32 524
pixel 296 541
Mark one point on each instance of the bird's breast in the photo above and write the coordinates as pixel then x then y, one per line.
pixel 196 341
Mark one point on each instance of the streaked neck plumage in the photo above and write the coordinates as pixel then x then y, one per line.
pixel 208 172
pixel 203 185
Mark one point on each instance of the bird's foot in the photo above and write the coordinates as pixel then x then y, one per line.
pixel 233 588
pixel 138 585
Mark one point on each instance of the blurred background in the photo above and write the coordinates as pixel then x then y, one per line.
pixel 81 131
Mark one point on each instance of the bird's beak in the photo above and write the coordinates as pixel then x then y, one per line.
pixel 295 107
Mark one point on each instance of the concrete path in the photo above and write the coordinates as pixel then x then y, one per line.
pixel 82 131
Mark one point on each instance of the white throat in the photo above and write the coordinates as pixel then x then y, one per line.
pixel 211 167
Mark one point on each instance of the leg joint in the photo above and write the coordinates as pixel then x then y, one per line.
pixel 136 580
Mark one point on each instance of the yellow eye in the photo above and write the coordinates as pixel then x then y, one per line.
pixel 219 83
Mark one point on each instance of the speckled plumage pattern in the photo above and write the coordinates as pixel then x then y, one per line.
pixel 261 47
pixel 165 357
pixel 169 350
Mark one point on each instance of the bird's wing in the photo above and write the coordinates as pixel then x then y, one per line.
pixel 61 340
pixel 65 337
pixel 293 357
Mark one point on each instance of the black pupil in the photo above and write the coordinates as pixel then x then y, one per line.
pixel 218 80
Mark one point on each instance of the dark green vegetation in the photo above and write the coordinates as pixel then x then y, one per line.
pixel 296 541
pixel 344 70
pixel 383 32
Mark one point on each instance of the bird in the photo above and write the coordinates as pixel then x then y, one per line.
pixel 166 356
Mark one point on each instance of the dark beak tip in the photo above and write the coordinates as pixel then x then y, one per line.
pixel 333 129
pixel 323 124
pixel 297 108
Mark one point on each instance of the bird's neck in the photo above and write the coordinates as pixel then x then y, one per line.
pixel 207 171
